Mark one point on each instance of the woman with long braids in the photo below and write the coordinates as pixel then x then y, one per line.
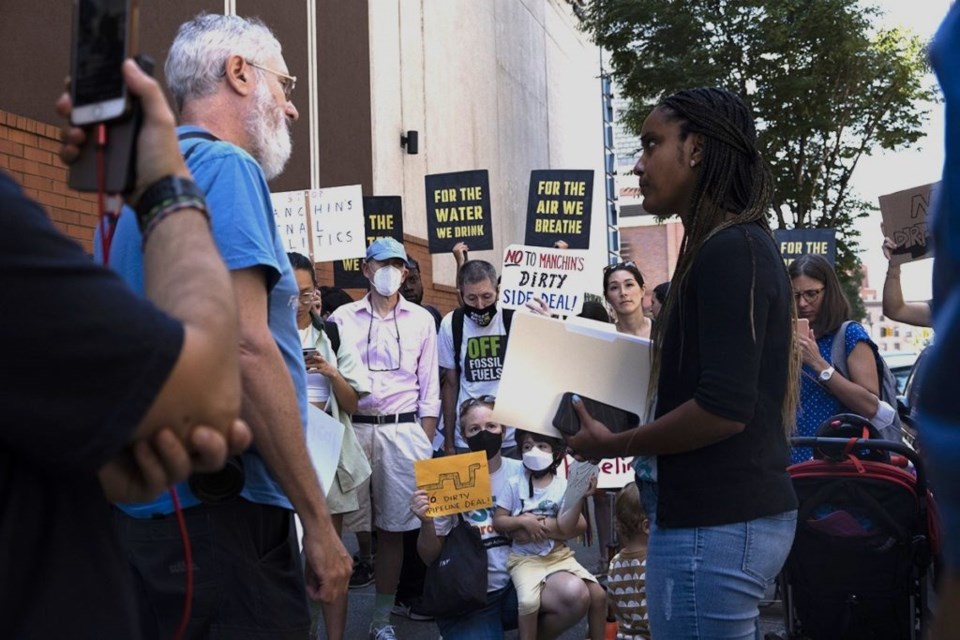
pixel 725 374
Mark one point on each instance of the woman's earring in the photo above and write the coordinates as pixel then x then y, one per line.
pixel 693 163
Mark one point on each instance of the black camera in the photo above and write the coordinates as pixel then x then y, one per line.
pixel 219 486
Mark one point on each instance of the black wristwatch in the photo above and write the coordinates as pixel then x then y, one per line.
pixel 165 192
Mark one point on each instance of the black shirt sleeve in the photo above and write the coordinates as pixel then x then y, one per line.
pixel 83 356
pixel 731 319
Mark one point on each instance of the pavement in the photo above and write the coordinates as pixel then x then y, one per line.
pixel 360 608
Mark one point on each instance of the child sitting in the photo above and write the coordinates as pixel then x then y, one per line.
pixel 626 576
pixel 531 508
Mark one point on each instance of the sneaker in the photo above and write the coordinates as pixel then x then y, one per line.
pixel 362 575
pixel 386 632
pixel 410 609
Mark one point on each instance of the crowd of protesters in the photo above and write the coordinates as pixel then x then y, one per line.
pixel 204 335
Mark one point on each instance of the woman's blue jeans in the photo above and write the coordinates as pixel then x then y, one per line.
pixel 487 623
pixel 707 582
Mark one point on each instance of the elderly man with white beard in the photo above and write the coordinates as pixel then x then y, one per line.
pixel 232 89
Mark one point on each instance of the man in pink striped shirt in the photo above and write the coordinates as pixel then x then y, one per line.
pixel 395 424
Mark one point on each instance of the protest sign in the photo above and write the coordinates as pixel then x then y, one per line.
pixel 455 484
pixel 458 210
pixel 557 276
pixel 290 216
pixel 579 476
pixel 905 222
pixel 336 223
pixel 382 216
pixel 613 473
pixel 793 243
pixel 558 208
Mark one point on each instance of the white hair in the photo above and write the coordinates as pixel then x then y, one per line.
pixel 198 56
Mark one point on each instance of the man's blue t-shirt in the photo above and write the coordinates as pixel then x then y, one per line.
pixel 241 215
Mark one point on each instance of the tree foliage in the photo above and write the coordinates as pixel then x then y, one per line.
pixel 825 85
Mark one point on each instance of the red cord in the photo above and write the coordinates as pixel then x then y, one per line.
pixel 188 556
pixel 108 220
pixel 108 226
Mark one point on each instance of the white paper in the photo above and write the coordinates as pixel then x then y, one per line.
pixel 579 476
pixel 546 358
pixel 324 439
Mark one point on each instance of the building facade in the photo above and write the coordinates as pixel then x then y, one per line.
pixel 504 85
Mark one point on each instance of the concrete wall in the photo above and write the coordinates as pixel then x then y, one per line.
pixel 503 85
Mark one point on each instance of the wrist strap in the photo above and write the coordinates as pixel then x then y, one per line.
pixel 165 196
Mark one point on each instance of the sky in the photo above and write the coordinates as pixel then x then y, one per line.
pixel 888 172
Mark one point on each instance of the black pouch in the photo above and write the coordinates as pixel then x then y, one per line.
pixel 456 582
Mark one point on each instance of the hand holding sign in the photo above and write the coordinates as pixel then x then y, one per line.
pixel 581 482
pixel 455 484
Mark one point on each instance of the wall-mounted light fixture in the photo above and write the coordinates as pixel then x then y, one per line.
pixel 411 142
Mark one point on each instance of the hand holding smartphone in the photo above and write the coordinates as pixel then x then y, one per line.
pixel 803 327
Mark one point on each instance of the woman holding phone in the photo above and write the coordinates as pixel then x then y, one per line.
pixel 724 369
pixel 336 380
pixel 823 391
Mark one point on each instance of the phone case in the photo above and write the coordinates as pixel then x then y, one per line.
pixel 616 419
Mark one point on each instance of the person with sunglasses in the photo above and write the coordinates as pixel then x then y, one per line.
pixel 565 598
pixel 823 391
pixel 396 423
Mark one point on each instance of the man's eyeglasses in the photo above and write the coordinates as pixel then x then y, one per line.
pixel 287 82
pixel 810 295
pixel 385 355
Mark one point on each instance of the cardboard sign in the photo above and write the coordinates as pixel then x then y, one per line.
pixel 336 223
pixel 905 222
pixel 579 476
pixel 793 243
pixel 458 210
pixel 382 216
pixel 553 357
pixel 290 216
pixel 455 483
pixel 558 208
pixel 557 276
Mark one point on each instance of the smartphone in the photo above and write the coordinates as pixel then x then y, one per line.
pixel 616 419
pixel 104 35
pixel 309 351
pixel 803 327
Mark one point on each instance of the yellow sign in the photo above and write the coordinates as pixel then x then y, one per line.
pixel 455 483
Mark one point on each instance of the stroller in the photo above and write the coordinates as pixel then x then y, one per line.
pixel 866 536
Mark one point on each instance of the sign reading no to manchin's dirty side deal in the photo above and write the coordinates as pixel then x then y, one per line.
pixel 382 217
pixel 458 210
pixel 558 208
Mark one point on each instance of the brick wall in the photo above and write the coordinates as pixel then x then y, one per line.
pixel 654 248
pixel 28 152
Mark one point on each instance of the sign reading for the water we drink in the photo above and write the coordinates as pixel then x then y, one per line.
pixel 458 210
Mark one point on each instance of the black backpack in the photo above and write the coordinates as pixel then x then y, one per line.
pixel 888 383
pixel 330 328
pixel 458 317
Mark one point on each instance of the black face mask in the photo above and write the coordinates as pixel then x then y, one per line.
pixel 487 441
pixel 481 317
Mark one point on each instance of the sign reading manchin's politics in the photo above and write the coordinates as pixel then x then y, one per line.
pixel 558 208
pixel 556 276
pixel 793 243
pixel 458 210
pixel 383 217
pixel 905 222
